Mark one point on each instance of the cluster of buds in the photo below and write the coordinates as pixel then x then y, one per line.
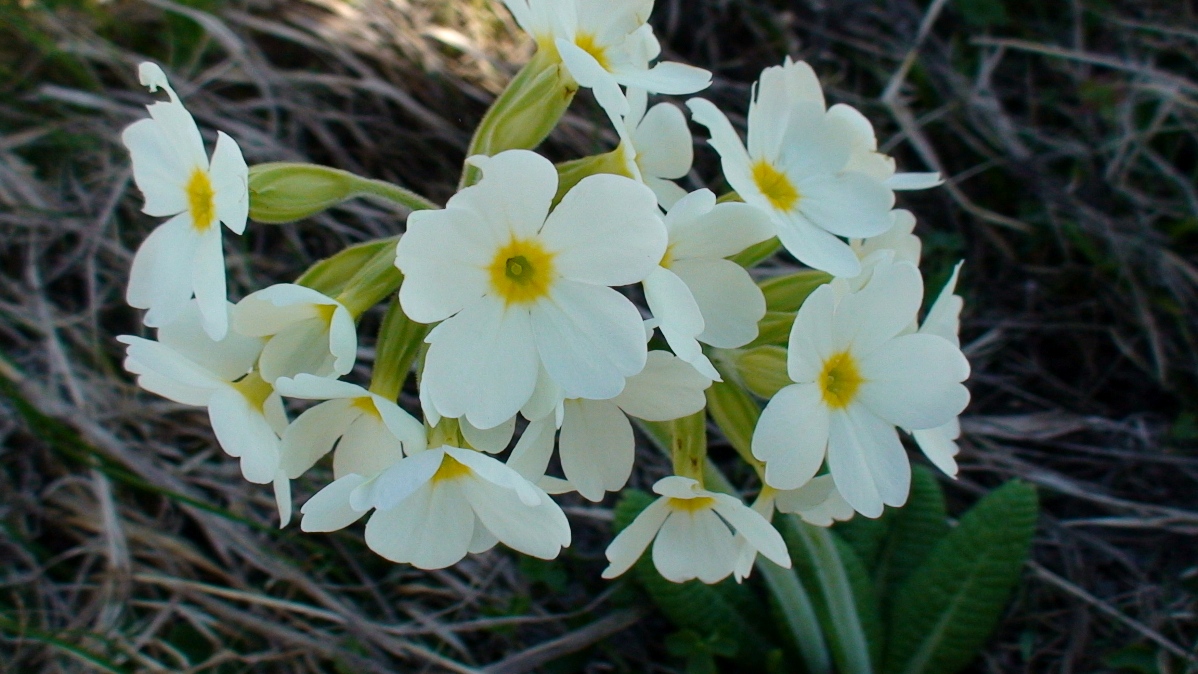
pixel 514 310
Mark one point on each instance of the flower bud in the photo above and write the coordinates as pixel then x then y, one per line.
pixel 284 192
pixel 763 370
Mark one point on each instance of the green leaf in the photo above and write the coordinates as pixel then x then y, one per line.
pixel 757 253
pixel 866 536
pixel 840 590
pixel 947 608
pixel 914 530
pixel 716 613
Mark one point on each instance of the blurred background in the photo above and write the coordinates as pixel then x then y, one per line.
pixel 1067 130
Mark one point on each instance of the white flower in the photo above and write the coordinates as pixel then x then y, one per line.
pixel 309 333
pixel 943 320
pixel 696 294
pixel 817 502
pixel 695 532
pixel 172 170
pixel 796 167
pixel 371 432
pixel 857 378
pixel 433 507
pixel 187 366
pixel 518 288
pixel 900 239
pixel 596 445
pixel 866 159
pixel 603 45
pixel 655 145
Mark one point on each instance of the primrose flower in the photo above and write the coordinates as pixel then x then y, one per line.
pixel 603 45
pixel 371 432
pixel 943 320
pixel 655 145
pixel 189 367
pixel 596 445
pixel 309 333
pixel 695 532
pixel 434 506
pixel 518 288
pixel 865 158
pixel 696 294
pixel 173 172
pixel 797 168
pixel 816 502
pixel 856 378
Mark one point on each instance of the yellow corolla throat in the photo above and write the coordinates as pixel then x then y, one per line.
pixel 667 258
pixel 366 404
pixel 325 312
pixel 201 199
pixel 691 505
pixel 451 469
pixel 255 390
pixel 522 271
pixel 775 186
pixel 840 380
pixel 587 43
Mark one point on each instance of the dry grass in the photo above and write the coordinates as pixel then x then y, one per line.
pixel 130 544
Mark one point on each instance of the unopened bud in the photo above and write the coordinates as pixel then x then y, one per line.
pixel 284 192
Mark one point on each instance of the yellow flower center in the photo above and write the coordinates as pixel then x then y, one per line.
pixel 366 404
pixel 667 258
pixel 775 186
pixel 255 389
pixel 840 380
pixel 451 469
pixel 586 42
pixel 201 199
pixel 522 271
pixel 691 505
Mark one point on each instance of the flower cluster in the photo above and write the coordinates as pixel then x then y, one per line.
pixel 563 301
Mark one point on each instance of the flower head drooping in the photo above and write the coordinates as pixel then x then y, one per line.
pixel 695 532
pixel 171 168
pixel 433 507
pixel 796 166
pixel 856 378
pixel 309 333
pixel 695 294
pixel 371 432
pixel 603 45
pixel 596 445
pixel 187 366
pixel 518 288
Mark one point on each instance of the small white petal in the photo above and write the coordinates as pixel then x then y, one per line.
pixel 816 247
pixel 313 434
pixel 329 509
pixel 230 183
pixel 490 440
pixel 596 447
pixel 730 302
pixel 208 281
pixel 589 73
pixel 367 448
pixel 755 528
pixel 160 278
pixel 530 457
pixel 914 181
pixel 668 388
pixel 811 341
pixel 882 309
pixel 394 485
pixel 850 468
pixel 244 433
pixel 937 444
pixel 663 142
pixel 630 544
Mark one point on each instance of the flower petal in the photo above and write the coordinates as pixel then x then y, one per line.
pixel 596 447
pixel 244 433
pixel 230 183
pixel 516 190
pixel 755 528
pixel 811 340
pixel 313 434
pixel 730 302
pixel 540 531
pixel 913 381
pixel 589 338
pixel 816 247
pixel 482 363
pixel 160 278
pixel 329 508
pixel 792 436
pixel 606 231
pixel 627 547
pixel 208 281
pixel 367 448
pixel 722 231
pixel 431 530
pixel 444 257
pixel 663 142
pixel 882 309
pixel 668 388
pixel 847 204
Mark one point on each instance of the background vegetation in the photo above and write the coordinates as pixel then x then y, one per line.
pixel 1069 132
